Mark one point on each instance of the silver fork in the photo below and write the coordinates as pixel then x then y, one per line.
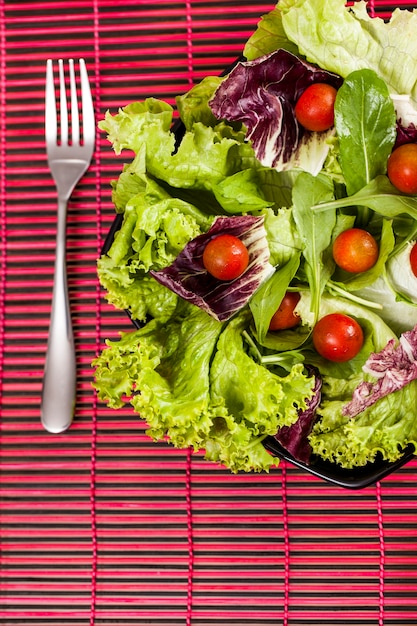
pixel 69 155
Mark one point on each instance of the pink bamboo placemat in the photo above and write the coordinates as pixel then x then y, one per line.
pixel 100 525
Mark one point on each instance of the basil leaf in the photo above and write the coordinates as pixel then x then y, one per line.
pixel 365 123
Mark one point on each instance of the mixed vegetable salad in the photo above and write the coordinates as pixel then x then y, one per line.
pixel 268 252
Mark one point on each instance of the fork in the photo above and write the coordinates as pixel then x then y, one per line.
pixel 69 154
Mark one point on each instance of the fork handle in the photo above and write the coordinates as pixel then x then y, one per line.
pixel 60 375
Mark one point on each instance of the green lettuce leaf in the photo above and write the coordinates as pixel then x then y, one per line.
pixel 241 193
pixel 188 380
pixel 137 293
pixel 193 105
pixel 137 121
pixel 268 37
pixel 386 427
pixel 343 39
pixel 250 411
pixel 155 228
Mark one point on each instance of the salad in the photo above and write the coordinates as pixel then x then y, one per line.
pixel 266 251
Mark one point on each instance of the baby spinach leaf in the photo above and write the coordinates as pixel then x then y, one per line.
pixel 365 123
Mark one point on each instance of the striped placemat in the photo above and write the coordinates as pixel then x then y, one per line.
pixel 101 526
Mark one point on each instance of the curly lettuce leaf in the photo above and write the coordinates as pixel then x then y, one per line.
pixel 248 413
pixel 195 393
pixel 294 438
pixel 137 293
pixel 386 428
pixel 137 121
pixel 154 229
pixel 193 106
pixel 201 160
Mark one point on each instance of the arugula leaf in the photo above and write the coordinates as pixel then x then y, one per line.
pixel 315 231
pixel 380 196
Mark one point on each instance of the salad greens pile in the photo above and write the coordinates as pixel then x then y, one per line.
pixel 203 369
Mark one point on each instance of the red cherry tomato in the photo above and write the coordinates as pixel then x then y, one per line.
pixel 315 108
pixel 337 337
pixel 284 317
pixel 413 259
pixel 225 257
pixel 402 168
pixel 355 250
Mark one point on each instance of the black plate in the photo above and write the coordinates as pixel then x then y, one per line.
pixel 356 478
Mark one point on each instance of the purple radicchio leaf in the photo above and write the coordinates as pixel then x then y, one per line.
pixel 262 95
pixel 188 278
pixel 406 120
pixel 393 367
pixel 405 135
pixel 294 438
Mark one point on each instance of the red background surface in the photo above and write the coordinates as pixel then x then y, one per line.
pixel 100 525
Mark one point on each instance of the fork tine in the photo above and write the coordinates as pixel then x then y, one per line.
pixel 63 104
pixel 87 106
pixel 75 124
pixel 50 106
